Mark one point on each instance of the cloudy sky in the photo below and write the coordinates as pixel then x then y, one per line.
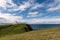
pixel 30 11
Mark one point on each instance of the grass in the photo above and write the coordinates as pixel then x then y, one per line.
pixel 11 29
pixel 43 34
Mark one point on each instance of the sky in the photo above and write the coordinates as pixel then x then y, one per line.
pixel 30 11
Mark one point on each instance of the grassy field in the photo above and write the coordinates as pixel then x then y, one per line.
pixel 11 29
pixel 44 34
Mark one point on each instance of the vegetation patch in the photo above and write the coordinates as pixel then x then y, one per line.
pixel 13 29
pixel 44 34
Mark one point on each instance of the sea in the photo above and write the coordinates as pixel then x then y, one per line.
pixel 40 26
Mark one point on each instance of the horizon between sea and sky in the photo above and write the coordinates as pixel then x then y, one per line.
pixel 30 11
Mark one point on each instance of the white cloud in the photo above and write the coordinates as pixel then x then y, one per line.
pixel 13 7
pixel 6 17
pixel 43 21
pixel 24 6
pixel 32 14
pixel 2 3
pixel 10 18
pixel 54 8
pixel 54 3
pixel 37 5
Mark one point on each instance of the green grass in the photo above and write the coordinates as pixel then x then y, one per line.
pixel 43 34
pixel 11 29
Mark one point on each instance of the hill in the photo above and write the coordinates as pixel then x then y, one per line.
pixel 43 34
pixel 13 29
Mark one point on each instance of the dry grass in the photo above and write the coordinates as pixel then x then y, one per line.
pixel 44 34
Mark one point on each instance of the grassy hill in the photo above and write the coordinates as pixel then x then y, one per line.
pixel 12 29
pixel 44 34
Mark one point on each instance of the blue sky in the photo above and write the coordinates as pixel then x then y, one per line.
pixel 30 11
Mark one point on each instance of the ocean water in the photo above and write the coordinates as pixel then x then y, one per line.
pixel 40 26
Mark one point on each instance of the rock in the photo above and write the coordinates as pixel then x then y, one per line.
pixel 28 28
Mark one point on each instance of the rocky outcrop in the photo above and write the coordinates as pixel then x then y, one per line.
pixel 28 28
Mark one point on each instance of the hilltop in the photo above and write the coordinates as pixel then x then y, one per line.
pixel 43 34
pixel 14 29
